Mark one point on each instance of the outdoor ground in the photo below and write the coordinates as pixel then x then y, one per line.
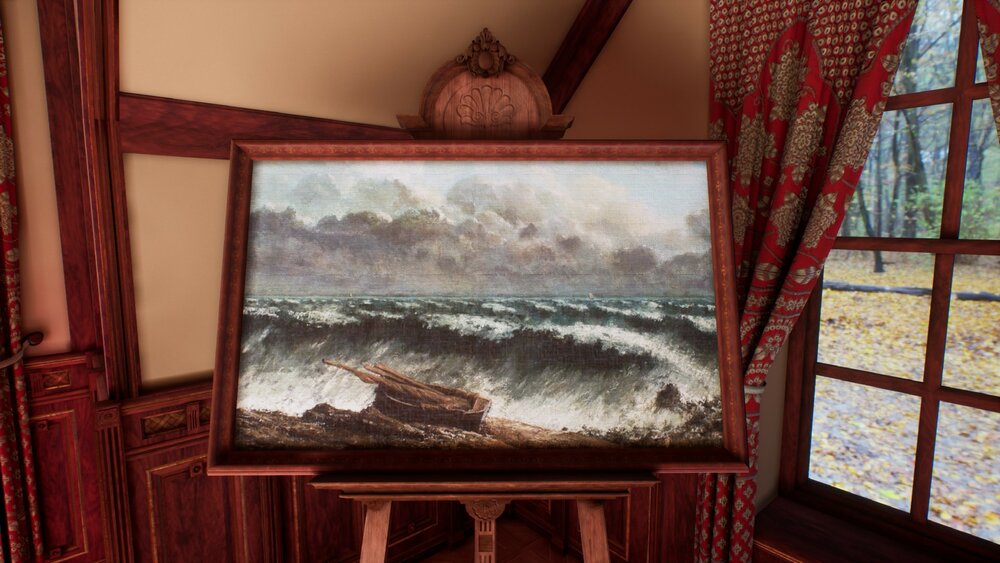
pixel 864 439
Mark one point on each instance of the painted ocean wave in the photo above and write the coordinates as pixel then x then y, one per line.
pixel 568 363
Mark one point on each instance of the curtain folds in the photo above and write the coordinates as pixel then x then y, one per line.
pixel 797 89
pixel 988 19
pixel 21 522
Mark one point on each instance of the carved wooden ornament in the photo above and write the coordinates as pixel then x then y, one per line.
pixel 485 93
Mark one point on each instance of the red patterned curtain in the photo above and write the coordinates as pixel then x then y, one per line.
pixel 797 91
pixel 988 16
pixel 21 523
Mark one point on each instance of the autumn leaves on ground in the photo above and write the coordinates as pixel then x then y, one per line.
pixel 864 438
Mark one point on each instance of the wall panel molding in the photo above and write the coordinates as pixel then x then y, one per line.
pixel 61 411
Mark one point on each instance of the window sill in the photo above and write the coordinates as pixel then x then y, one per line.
pixel 787 530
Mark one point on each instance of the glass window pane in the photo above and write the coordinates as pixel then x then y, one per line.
pixel 930 55
pixel 972 353
pixel 980 67
pixel 981 198
pixel 965 491
pixel 876 320
pixel 864 440
pixel 902 185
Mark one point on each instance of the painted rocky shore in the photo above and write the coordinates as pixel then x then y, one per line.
pixel 325 427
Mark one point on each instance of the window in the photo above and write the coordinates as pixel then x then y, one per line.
pixel 897 398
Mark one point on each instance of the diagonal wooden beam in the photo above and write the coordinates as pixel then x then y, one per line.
pixel 584 42
pixel 152 125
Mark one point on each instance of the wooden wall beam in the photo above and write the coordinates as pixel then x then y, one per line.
pixel 584 42
pixel 69 160
pixel 152 125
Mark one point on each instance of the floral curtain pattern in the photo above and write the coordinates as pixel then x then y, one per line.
pixel 988 20
pixel 22 523
pixel 797 89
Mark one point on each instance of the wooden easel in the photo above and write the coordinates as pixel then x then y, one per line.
pixel 484 93
pixel 485 497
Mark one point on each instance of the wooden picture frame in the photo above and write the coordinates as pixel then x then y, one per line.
pixel 228 457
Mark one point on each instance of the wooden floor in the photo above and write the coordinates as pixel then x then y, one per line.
pixel 516 543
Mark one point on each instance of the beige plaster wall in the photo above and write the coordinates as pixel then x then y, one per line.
pixel 772 409
pixel 175 208
pixel 356 60
pixel 43 292
pixel 651 79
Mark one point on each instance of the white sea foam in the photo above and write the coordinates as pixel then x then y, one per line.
pixel 543 307
pixel 472 325
pixel 629 341
pixel 271 312
pixel 328 317
pixel 704 324
pixel 380 314
pixel 498 308
pixel 637 313
pixel 571 305
pixel 609 337
pixel 295 391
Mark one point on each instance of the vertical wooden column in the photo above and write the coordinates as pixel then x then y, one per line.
pixel 114 495
pixel 376 535
pixel 485 512
pixel 593 531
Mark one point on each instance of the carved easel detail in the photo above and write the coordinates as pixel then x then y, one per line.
pixel 485 513
pixel 485 497
pixel 485 93
pixel 485 56
pixel 486 107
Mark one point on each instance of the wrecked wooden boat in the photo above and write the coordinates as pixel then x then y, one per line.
pixel 408 400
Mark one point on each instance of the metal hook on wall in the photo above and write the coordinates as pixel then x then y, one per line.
pixel 32 339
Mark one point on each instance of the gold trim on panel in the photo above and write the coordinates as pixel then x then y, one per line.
pixel 777 553
pixel 52 380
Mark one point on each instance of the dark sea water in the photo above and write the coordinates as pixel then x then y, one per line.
pixel 595 365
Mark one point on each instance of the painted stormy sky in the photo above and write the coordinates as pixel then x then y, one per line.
pixel 479 229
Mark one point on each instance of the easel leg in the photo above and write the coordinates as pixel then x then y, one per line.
pixel 593 531
pixel 373 543
pixel 485 513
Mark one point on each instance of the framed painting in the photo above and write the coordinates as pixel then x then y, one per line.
pixel 522 306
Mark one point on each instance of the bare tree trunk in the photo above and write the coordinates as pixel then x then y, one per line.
pixel 912 185
pixel 878 267
pixel 916 180
pixel 896 177
pixel 859 196
pixel 977 151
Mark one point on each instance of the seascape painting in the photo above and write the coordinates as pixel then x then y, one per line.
pixel 478 305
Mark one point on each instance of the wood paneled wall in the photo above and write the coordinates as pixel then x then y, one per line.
pixel 126 481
